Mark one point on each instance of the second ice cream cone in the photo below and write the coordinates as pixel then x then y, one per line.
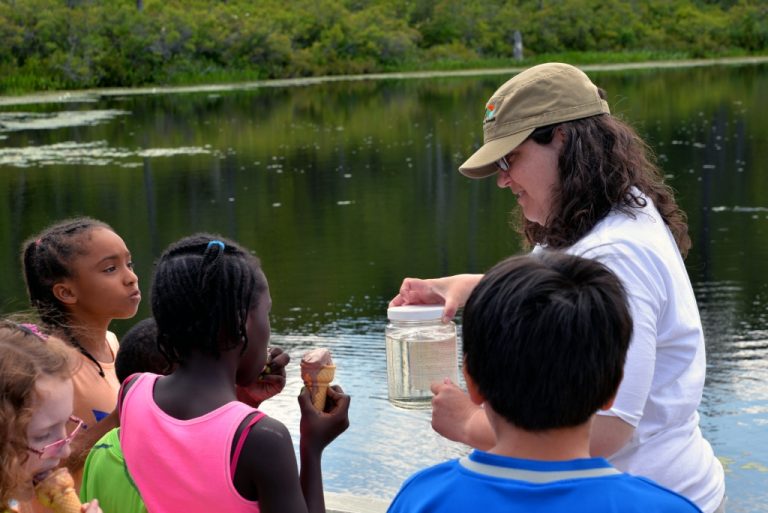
pixel 57 492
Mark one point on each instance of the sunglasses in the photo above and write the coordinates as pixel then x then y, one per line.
pixel 52 449
pixel 503 164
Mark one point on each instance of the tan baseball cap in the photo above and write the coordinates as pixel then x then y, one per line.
pixel 539 96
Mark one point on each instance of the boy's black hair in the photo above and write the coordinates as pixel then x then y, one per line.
pixel 203 288
pixel 545 337
pixel 46 259
pixel 139 352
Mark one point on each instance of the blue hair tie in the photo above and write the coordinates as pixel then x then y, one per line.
pixel 217 243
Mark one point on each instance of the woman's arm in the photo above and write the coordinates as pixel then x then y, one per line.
pixel 639 268
pixel 608 435
pixel 452 291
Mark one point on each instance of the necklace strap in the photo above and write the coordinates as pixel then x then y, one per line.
pixel 92 358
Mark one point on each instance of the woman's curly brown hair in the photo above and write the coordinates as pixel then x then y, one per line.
pixel 24 358
pixel 602 159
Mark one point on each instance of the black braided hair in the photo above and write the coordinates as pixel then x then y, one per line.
pixel 46 259
pixel 203 288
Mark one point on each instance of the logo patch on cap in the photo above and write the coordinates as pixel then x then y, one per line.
pixel 491 109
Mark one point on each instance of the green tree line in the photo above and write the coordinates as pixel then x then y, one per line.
pixel 62 44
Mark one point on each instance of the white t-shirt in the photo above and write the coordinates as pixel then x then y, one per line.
pixel 665 367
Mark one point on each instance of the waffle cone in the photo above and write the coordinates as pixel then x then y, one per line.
pixel 57 492
pixel 318 382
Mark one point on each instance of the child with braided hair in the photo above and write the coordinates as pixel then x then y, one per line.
pixel 79 277
pixel 211 303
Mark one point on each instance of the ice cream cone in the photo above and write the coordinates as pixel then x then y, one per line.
pixel 318 382
pixel 317 371
pixel 57 492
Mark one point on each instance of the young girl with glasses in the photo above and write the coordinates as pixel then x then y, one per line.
pixel 209 451
pixel 36 396
pixel 79 277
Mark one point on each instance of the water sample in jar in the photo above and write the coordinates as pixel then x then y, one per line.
pixel 421 349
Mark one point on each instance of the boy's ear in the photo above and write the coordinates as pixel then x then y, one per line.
pixel 608 404
pixel 64 293
pixel 474 393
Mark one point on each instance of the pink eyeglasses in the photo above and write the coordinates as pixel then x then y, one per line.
pixel 52 449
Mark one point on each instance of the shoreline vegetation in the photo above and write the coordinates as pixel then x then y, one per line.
pixel 66 96
pixel 64 45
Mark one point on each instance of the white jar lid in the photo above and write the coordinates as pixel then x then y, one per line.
pixel 415 312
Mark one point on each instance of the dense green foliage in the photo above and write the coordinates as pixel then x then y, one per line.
pixel 54 44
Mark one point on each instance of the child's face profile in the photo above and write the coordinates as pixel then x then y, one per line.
pixel 258 331
pixel 103 282
pixel 50 417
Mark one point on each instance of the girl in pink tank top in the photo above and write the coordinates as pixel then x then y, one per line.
pixel 188 443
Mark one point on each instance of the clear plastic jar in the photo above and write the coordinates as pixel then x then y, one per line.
pixel 421 349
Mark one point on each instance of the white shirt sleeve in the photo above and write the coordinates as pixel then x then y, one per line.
pixel 646 296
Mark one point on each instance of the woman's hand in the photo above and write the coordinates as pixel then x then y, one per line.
pixel 320 428
pixel 452 291
pixel 457 418
pixel 270 382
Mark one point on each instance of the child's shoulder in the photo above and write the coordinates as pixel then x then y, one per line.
pixel 268 430
pixel 267 443
pixel 267 437
pixel 660 495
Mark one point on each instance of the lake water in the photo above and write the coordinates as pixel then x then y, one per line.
pixel 344 188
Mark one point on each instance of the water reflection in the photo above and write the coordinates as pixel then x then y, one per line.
pixel 393 441
pixel 17 121
pixel 97 153
pixel 735 405
pixel 345 188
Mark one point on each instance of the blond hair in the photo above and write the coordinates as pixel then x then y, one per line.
pixel 25 357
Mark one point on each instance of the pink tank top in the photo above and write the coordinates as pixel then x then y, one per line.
pixel 182 465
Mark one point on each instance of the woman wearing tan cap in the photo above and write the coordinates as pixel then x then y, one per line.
pixel 586 184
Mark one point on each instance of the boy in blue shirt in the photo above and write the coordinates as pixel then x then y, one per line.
pixel 544 341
